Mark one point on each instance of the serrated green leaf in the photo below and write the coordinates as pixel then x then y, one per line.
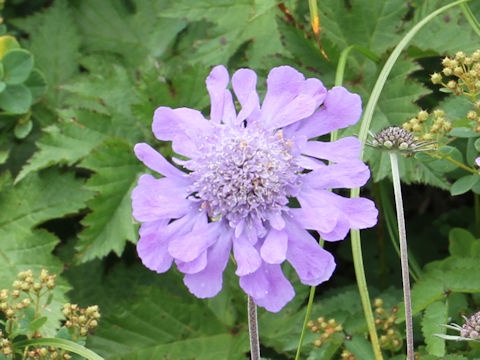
pixel 161 324
pixel 426 291
pixel 462 275
pixel 68 142
pixel 236 23
pixel 307 53
pixel 37 84
pixel 460 242
pixel 449 32
pixel 435 315
pixel 110 223
pixel 373 24
pixel 464 184
pixel 113 94
pixel 38 198
pixel 145 32
pixel 17 66
pixel 55 41
pixel 16 99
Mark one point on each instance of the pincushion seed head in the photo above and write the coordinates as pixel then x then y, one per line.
pixel 394 138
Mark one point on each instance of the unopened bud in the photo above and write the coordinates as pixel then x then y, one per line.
pixel 436 78
pixel 422 115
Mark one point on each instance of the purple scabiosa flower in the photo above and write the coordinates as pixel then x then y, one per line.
pixel 242 171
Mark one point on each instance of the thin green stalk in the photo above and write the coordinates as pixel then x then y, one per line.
pixel 340 72
pixel 253 330
pixel 305 321
pixel 476 198
pixel 342 61
pixel 363 290
pixel 472 20
pixel 402 234
pixel 363 133
pixel 311 296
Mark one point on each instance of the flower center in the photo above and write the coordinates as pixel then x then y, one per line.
pixel 244 173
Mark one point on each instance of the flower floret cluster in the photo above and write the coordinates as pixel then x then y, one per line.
pixel 243 168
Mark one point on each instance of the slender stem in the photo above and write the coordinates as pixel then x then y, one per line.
pixel 363 290
pixel 253 329
pixel 476 198
pixel 471 18
pixel 305 322
pixel 402 233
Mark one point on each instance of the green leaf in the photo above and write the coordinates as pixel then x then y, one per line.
pixel 426 291
pixel 17 66
pixel 7 42
pixel 4 156
pixel 36 324
pixel 371 24
pixel 37 84
pixel 145 314
pixel 435 315
pixel 38 198
pixel 145 32
pixel 110 223
pixel 68 142
pixel 16 99
pixel 235 23
pixel 112 94
pixel 449 32
pixel 460 242
pixel 59 343
pixel 360 347
pixel 464 184
pixel 22 129
pixel 54 40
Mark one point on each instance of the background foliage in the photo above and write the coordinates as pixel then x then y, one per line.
pixel 81 79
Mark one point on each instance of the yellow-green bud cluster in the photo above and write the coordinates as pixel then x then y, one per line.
pixel 465 71
pixel 390 337
pixel 48 353
pixel 81 321
pixel 429 126
pixel 326 329
pixel 6 345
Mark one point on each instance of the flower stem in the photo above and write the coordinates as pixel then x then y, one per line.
pixel 476 199
pixel 305 322
pixel 253 330
pixel 363 290
pixel 402 233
